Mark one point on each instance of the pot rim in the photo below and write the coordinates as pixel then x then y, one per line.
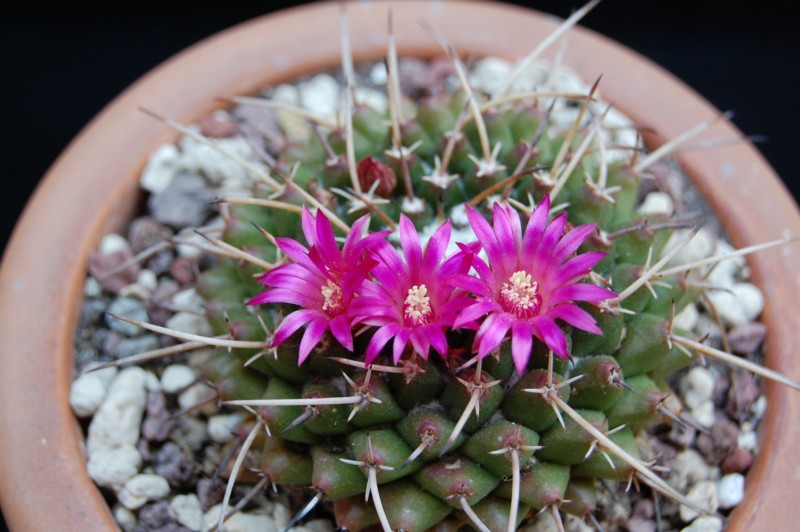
pixel 45 484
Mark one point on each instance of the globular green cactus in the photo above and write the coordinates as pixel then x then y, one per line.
pixel 463 386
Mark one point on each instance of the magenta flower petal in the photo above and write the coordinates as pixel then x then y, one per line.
pixel 577 267
pixel 436 338
pixel 570 243
pixel 581 292
pixel 493 330
pixel 536 227
pixel 475 311
pixel 546 329
pixel 409 241
pixel 321 280
pixel 379 339
pixel 528 282
pixel 521 344
pixel 420 343
pixel 291 323
pixel 399 345
pixel 435 250
pixel 577 317
pixel 341 330
pixel 413 293
pixel 311 338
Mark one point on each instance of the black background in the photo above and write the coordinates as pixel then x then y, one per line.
pixel 60 65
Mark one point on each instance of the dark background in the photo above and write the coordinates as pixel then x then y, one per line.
pixel 60 65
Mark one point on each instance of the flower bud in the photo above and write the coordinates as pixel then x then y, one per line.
pixel 369 171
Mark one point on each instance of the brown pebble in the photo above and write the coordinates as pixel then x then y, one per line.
pixel 216 129
pixel 662 451
pixel 721 441
pixel 102 268
pixel 721 386
pixel 745 339
pixel 742 395
pixel 682 435
pixel 145 233
pixel 738 461
pixel 174 465
pixel 209 492
pixel 183 270
pixel 640 524
pixel 644 508
pixel 158 423
pixel 110 344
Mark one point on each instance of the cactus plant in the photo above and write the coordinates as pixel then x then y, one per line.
pixel 471 385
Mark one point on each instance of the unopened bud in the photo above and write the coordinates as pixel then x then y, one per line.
pixel 370 171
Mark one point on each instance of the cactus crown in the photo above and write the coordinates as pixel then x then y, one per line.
pixel 502 359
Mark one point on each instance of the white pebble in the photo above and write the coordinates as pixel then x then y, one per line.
pixel 751 300
pixel 125 518
pixel 707 326
pixel 690 467
pixel 686 319
pixel 725 272
pixel 490 74
pixel 142 488
pixel 118 419
pixel 704 414
pixel 697 386
pixel 758 408
pixel 221 427
pixel 699 247
pixel 186 510
pixel 152 382
pixel 730 490
pixel 191 323
pixel 112 467
pixel 378 74
pixel 239 522
pixel 189 245
pixel 748 440
pixel 320 95
pixel 143 287
pixel 372 99
pixel 656 203
pixel 704 495
pixel 707 523
pixel 112 243
pixel 160 169
pixel 89 390
pixel 196 394
pixel 200 158
pixel 188 300
pixel 740 304
pixel 286 94
pixel 92 288
pixel 177 377
pixel 281 515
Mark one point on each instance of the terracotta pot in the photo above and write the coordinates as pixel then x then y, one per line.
pixel 92 189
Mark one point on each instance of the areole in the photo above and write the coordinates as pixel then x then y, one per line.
pixel 92 189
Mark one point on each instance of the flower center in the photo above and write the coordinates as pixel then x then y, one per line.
pixel 520 296
pixel 333 298
pixel 417 305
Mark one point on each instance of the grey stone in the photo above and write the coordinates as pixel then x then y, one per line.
pixel 129 308
pixel 186 202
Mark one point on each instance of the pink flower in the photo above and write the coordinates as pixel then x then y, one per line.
pixel 529 282
pixel 411 300
pixel 322 280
